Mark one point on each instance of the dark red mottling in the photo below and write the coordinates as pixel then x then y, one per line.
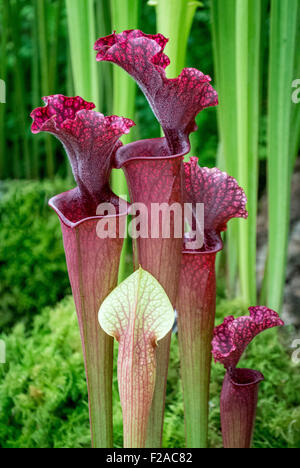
pixel 175 102
pixel 221 195
pixel 90 140
pixel 233 336
pixel 58 108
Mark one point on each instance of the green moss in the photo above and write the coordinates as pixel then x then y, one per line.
pixel 42 391
pixel 43 398
pixel 33 270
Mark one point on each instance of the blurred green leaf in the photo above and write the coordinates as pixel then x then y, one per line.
pixel 282 52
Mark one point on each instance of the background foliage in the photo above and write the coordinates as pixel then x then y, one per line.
pixel 33 271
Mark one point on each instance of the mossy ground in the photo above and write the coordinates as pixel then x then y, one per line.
pixel 33 272
pixel 43 398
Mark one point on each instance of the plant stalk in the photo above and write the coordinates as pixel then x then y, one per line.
pixel 13 16
pixel 93 270
pixel 43 48
pixel 3 76
pixel 82 36
pixel 196 306
pixel 238 407
pixel 153 181
pixel 248 25
pixel 35 88
pixel 224 42
pixel 282 53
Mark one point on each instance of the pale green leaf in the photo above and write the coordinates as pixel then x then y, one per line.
pixel 140 305
pixel 137 313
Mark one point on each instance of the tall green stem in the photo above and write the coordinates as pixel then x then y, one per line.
pixel 103 28
pixel 174 20
pixel 282 49
pixel 13 9
pixel 35 85
pixel 3 76
pixel 43 48
pixel 248 26
pixel 237 51
pixel 82 36
pixel 54 47
pixel 224 41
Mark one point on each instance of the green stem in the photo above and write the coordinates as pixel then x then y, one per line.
pixel 248 23
pixel 103 24
pixel 54 47
pixel 224 41
pixel 82 36
pixel 156 417
pixel 17 166
pixel 282 50
pixel 174 20
pixel 3 76
pixel 35 89
pixel 13 10
pixel 237 51
pixel 43 48
pixel 98 349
